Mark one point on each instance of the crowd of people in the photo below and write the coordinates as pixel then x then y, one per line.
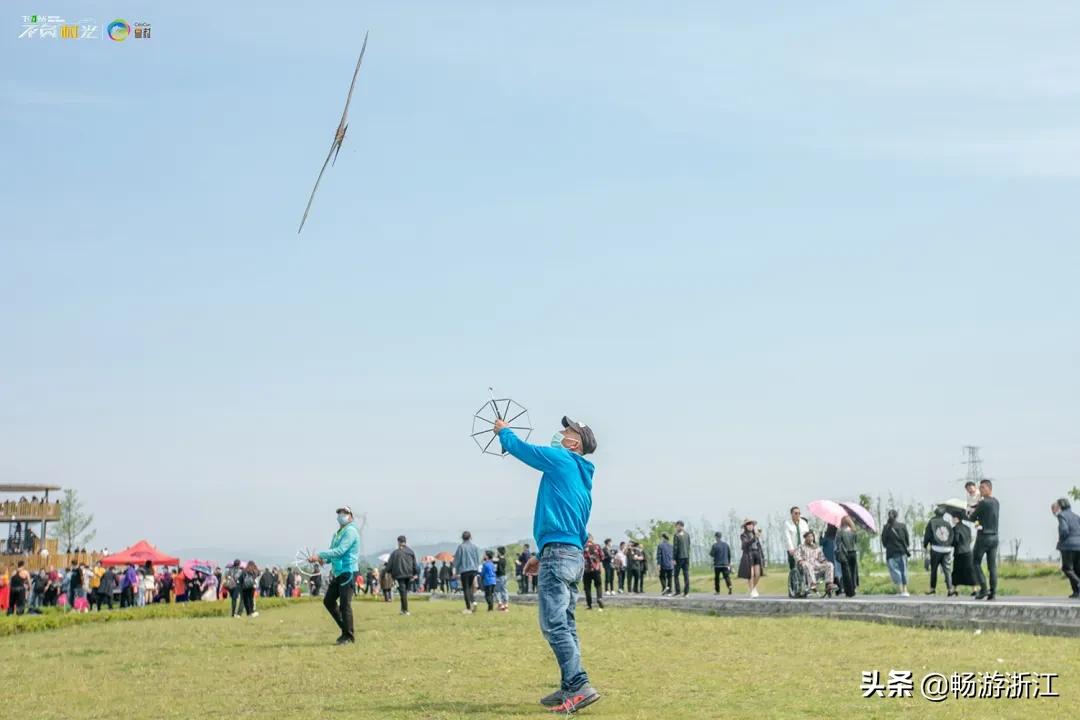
pixel 956 541
pixel 85 588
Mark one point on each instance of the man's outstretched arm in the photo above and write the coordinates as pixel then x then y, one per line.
pixel 536 457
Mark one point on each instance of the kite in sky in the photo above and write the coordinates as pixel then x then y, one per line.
pixel 339 136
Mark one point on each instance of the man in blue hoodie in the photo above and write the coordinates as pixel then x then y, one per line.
pixel 343 555
pixel 563 505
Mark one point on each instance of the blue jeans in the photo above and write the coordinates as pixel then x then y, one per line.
pixel 898 569
pixel 561 568
pixel 501 595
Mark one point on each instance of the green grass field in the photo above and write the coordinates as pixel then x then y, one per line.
pixel 441 664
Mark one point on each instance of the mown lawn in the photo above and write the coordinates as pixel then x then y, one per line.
pixel 439 664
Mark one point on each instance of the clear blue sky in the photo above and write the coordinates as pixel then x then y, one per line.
pixel 770 254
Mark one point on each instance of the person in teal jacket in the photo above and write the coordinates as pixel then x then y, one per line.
pixel 563 505
pixel 343 555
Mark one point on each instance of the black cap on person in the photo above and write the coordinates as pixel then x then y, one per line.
pixel 588 440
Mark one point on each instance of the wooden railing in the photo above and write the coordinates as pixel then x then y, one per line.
pixel 15 510
pixel 38 562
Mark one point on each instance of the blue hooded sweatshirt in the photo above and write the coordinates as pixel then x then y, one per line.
pixel 564 499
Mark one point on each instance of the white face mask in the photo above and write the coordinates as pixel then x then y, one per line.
pixel 557 441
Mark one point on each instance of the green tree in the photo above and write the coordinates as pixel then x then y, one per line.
pixel 650 538
pixel 73 529
pixel 1075 493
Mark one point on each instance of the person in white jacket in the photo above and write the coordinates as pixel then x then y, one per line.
pixel 794 531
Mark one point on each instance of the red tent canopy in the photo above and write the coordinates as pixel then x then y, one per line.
pixel 138 554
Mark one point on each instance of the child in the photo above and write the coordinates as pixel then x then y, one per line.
pixel 488 573
pixel 501 592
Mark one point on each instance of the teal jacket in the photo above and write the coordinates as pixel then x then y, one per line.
pixel 344 550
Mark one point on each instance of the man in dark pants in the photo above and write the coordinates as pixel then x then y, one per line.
pixel 523 558
pixel 105 589
pixel 682 558
pixel 721 557
pixel 938 539
pixel 986 542
pixel 402 565
pixel 445 573
pixel 467 564
pixel 343 555
pixel 665 563
pixel 1068 543
pixel 609 568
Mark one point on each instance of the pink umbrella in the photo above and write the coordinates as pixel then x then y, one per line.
pixel 860 515
pixel 827 511
pixel 193 566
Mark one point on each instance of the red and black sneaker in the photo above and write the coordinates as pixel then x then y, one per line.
pixel 577 700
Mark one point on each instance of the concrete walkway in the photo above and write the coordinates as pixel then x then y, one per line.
pixel 1037 615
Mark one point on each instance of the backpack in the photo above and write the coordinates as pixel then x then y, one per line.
pixel 230 580
pixel 248 581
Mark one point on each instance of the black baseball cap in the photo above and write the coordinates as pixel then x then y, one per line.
pixel 588 440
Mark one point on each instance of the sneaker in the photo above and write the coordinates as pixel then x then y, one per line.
pixel 953 593
pixel 576 700
pixel 729 591
pixel 254 614
pixel 754 593
pixel 345 641
pixel 466 612
pixel 1075 596
pixel 928 592
pixel 600 609
pixel 905 594
pixel 403 612
pixel 555 698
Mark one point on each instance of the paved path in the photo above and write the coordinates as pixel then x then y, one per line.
pixel 1038 615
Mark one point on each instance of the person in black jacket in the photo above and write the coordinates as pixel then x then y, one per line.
pixel 402 567
pixel 609 568
pixel 937 540
pixel 897 543
pixel 721 559
pixel 445 573
pixel 963 572
pixel 431 579
pixel 847 553
pixel 986 542
pixel 1068 543
pixel 682 558
pixel 753 556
